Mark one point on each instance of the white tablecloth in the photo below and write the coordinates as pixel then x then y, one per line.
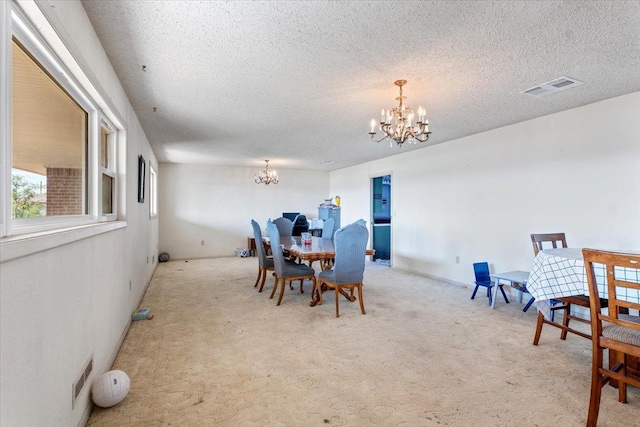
pixel 560 272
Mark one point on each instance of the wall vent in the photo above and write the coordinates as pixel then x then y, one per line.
pixel 553 86
pixel 81 380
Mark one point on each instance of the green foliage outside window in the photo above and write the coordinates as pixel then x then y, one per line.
pixel 24 204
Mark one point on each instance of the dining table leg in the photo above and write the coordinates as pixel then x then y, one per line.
pixel 495 294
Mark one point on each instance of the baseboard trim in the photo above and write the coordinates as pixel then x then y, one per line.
pixel 431 276
pixel 125 332
pixel 114 355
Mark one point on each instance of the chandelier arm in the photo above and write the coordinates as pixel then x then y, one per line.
pixel 422 137
pixel 381 139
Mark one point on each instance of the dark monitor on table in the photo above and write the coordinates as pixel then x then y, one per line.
pixel 290 215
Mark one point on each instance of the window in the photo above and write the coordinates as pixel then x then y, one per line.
pixel 153 192
pixel 61 136
pixel 107 170
pixel 48 144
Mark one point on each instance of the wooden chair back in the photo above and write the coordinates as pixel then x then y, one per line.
pixel 615 329
pixel 554 238
pixel 620 283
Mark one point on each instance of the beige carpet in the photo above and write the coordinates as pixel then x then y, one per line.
pixel 217 352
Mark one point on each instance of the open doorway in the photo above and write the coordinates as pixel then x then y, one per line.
pixel 381 218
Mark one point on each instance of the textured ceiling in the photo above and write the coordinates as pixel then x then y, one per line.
pixel 234 83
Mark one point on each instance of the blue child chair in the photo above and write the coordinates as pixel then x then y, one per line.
pixel 481 270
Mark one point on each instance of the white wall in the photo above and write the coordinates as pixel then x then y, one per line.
pixel 216 204
pixel 60 305
pixel 477 197
pixel 480 197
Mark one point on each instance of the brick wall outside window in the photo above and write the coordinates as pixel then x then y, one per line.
pixel 64 191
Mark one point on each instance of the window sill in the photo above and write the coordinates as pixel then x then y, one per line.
pixel 15 247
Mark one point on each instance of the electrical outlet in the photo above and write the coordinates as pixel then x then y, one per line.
pixel 457 260
pixel 129 285
pixel 147 260
pixel 202 242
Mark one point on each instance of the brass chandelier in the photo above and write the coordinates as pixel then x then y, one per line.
pixel 398 123
pixel 267 176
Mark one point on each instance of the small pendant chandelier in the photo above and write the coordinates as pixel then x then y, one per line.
pixel 397 122
pixel 267 176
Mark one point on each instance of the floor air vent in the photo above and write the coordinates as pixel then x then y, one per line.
pixel 81 381
pixel 553 86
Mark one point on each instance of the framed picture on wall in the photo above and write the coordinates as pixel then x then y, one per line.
pixel 142 165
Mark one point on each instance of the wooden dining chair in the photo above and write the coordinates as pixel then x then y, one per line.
pixel 612 329
pixel 555 240
pixel 265 263
pixel 348 270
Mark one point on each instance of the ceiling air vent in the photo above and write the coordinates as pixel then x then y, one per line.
pixel 553 86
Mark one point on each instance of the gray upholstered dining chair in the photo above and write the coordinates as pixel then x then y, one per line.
pixel 285 226
pixel 285 230
pixel 264 263
pixel 286 271
pixel 361 222
pixel 327 228
pixel 348 270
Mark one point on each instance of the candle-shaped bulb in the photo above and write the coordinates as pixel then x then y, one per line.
pixel 373 126
pixel 382 116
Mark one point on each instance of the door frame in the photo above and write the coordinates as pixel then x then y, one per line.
pixel 391 212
